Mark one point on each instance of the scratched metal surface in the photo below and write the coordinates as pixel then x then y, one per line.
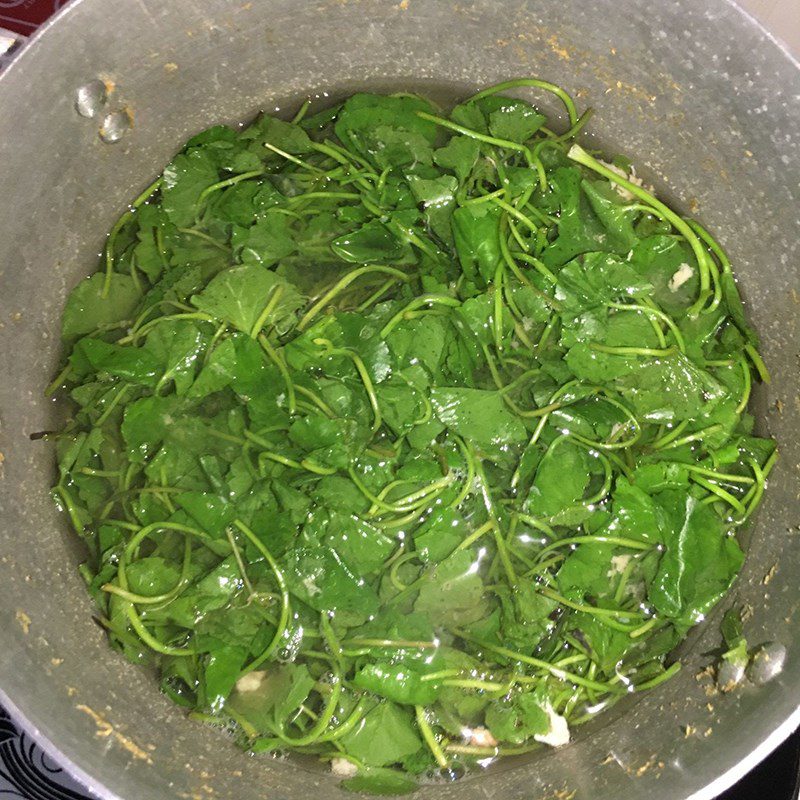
pixel 702 99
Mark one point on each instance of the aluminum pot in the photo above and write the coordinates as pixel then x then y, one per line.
pixel 696 92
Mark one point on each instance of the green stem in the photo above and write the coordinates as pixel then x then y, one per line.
pixel 653 352
pixel 154 644
pixel 545 666
pixel 322 722
pixel 283 620
pixel 273 301
pixel 222 185
pixel 418 302
pixel 633 544
pixel 429 737
pixel 655 312
pixel 506 144
pixel 748 383
pixel 536 83
pixel 118 226
pixel 342 284
pixel 206 238
pixel 293 159
pixel 475 535
pixel 301 112
pixel 692 437
pixel 726 497
pixel 758 363
pixel 281 365
pixel 538 265
pixel 363 374
pixel 659 679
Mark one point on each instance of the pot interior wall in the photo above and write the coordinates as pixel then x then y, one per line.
pixel 694 92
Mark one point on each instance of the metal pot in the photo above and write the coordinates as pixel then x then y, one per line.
pixel 696 92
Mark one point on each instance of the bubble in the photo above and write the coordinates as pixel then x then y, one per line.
pixel 729 675
pixel 767 662
pixel 114 126
pixel 90 98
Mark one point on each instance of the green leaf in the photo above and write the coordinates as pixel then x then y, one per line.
pixel 663 260
pixel 587 571
pixel 380 781
pixel 239 295
pixel 669 388
pixel 177 346
pixel 612 212
pixel 397 682
pixel 424 339
pixel 699 563
pixel 459 155
pixel 479 415
pixel 386 735
pixel 213 591
pixel 299 687
pixel 285 136
pixel 145 424
pixel 453 591
pixel 733 300
pixel 317 577
pixel 222 668
pixel 562 478
pixel 280 692
pixel 369 243
pixel 469 115
pixel 519 180
pixel 515 120
pixel 440 534
pixel 437 198
pixel 133 364
pixel 89 308
pixel 518 719
pixel 363 547
pixel 265 242
pixel 607 645
pixel 525 618
pixel 218 371
pixel 212 513
pixel 401 405
pixel 476 231
pixel 438 191
pixel 387 130
pixel 635 514
pixel 151 576
pixel 185 179
pixel 597 279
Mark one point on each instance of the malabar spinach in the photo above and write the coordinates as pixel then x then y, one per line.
pixel 405 438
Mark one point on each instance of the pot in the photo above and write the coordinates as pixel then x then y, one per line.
pixel 702 99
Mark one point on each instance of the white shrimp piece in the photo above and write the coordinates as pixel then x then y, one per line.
pixel 481 737
pixel 624 193
pixel 342 768
pixel 683 274
pixel 558 735
pixel 618 565
pixel 250 682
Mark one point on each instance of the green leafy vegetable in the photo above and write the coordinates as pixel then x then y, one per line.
pixel 404 439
